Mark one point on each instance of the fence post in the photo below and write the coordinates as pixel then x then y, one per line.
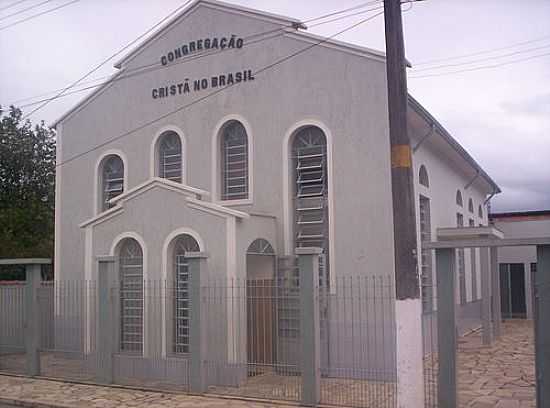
pixel 542 326
pixel 106 273
pixel 197 322
pixel 446 328
pixel 308 264
pixel 495 292
pixel 486 277
pixel 32 318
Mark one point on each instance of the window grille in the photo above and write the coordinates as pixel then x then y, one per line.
pixel 423 177
pixel 260 247
pixel 184 244
pixel 131 296
pixel 234 162
pixel 113 180
pixel 170 157
pixel 426 261
pixel 309 152
pixel 461 264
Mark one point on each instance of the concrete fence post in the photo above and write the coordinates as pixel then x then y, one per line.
pixel 197 322
pixel 486 278
pixel 446 328
pixel 542 325
pixel 308 264
pixel 106 331
pixel 32 318
pixel 495 292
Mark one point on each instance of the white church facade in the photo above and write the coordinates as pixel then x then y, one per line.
pixel 209 139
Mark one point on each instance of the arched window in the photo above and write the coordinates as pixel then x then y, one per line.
pixel 423 176
pixel 112 179
pixel 470 205
pixel 480 211
pixel 131 296
pixel 234 161
pixel 170 156
pixel 310 169
pixel 260 247
pixel 183 244
pixel 459 198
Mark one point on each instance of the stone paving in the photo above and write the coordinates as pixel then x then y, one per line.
pixel 500 376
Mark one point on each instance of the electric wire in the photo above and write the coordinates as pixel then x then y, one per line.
pixel 196 101
pixel 107 60
pixel 502 64
pixel 12 4
pixel 458 64
pixel 487 51
pixel 144 68
pixel 27 9
pixel 38 14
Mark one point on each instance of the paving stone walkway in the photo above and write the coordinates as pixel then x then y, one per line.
pixel 500 376
pixel 46 393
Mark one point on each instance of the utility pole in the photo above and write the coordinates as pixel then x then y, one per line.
pixel 404 221
pixel 408 307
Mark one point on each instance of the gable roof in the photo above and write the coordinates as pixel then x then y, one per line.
pixel 214 4
pixel 291 29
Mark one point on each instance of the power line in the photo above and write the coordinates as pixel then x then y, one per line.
pixel 12 4
pixel 188 105
pixel 38 14
pixel 154 66
pixel 487 51
pixel 435 67
pixel 482 67
pixel 108 59
pixel 27 9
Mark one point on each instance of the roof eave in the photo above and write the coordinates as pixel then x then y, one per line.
pixel 453 143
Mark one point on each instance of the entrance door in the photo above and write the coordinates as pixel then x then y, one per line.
pixel 260 295
pixel 512 291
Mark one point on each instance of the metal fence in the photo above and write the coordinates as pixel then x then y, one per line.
pixel 255 335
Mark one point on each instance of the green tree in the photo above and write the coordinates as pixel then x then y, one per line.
pixel 27 193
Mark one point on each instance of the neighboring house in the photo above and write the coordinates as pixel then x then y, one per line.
pixel 296 155
pixel 518 265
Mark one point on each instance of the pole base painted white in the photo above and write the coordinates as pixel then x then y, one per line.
pixel 410 371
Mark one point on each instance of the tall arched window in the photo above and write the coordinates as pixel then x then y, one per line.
pixel 183 244
pixel 470 205
pixel 170 156
pixel 310 169
pixel 480 211
pixel 111 179
pixel 131 296
pixel 234 161
pixel 423 176
pixel 459 198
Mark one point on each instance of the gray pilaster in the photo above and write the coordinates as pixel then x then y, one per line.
pixel 197 325
pixel 32 318
pixel 486 318
pixel 106 327
pixel 308 264
pixel 446 328
pixel 495 292
pixel 542 325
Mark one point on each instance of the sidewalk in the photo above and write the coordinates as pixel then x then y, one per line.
pixel 39 393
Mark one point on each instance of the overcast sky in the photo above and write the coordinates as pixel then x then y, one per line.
pixel 501 115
